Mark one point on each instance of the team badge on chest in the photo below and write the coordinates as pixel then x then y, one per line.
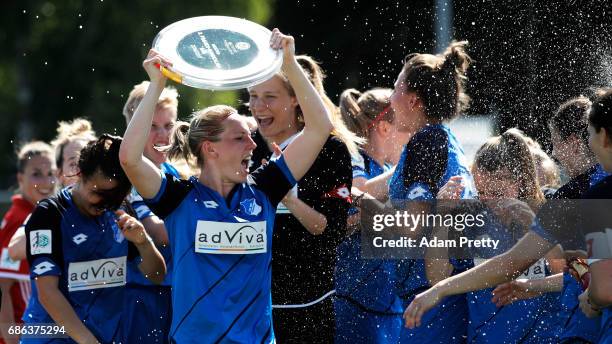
pixel 250 207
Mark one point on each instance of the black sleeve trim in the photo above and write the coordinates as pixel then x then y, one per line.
pixel 172 192
pixel 272 181
pixel 47 215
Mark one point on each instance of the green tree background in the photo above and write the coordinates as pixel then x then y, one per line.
pixel 78 58
pixel 61 59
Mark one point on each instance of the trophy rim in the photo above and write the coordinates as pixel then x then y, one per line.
pixel 262 67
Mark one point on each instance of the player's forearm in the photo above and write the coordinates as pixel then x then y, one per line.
pixel 437 265
pixel 152 266
pixel 316 116
pixel 156 229
pixel 63 314
pixel 378 187
pixel 600 287
pixel 495 271
pixel 311 219
pixel 17 246
pixel 548 284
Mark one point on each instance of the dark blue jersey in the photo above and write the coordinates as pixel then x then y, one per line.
pixel 88 255
pixel 575 323
pixel 598 235
pixel 367 307
pixel 578 187
pixel 430 158
pixel 591 219
pixel 523 321
pixel 222 255
pixel 605 336
pixel 367 282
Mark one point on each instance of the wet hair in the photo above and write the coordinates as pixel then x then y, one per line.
pixel 316 76
pixel 571 119
pixel 511 152
pixel 544 164
pixel 439 81
pixel 31 150
pixel 78 129
pixel 361 111
pixel 600 115
pixel 547 167
pixel 168 98
pixel 205 125
pixel 102 156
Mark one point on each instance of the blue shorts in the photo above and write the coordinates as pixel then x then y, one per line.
pixel 445 323
pixel 148 314
pixel 576 324
pixel 356 324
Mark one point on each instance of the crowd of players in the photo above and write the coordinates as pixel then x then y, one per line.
pixel 236 229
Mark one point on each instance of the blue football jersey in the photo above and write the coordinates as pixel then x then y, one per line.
pixel 369 282
pixel 575 323
pixel 605 336
pixel 524 321
pixel 222 255
pixel 89 257
pixel 142 212
pixel 430 158
pixel 367 306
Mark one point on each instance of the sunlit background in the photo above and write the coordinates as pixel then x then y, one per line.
pixel 71 58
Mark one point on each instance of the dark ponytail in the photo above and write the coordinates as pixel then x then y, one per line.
pixel 600 115
pixel 439 81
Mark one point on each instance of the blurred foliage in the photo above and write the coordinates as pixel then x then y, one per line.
pixel 68 58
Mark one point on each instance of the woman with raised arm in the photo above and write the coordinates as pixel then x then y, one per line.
pixel 311 220
pixel 220 223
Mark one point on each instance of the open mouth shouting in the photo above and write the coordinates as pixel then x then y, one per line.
pixel 161 148
pixel 264 122
pixel 246 162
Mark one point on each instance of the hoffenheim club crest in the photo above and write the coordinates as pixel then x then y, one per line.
pixel 250 206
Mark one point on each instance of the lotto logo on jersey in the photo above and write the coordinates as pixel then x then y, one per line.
pixel 95 274
pixel 417 193
pixel 40 242
pixel 231 238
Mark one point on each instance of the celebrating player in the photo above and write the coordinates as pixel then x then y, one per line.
pixel 77 247
pixel 220 224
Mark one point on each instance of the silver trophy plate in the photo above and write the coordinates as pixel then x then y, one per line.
pixel 218 52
